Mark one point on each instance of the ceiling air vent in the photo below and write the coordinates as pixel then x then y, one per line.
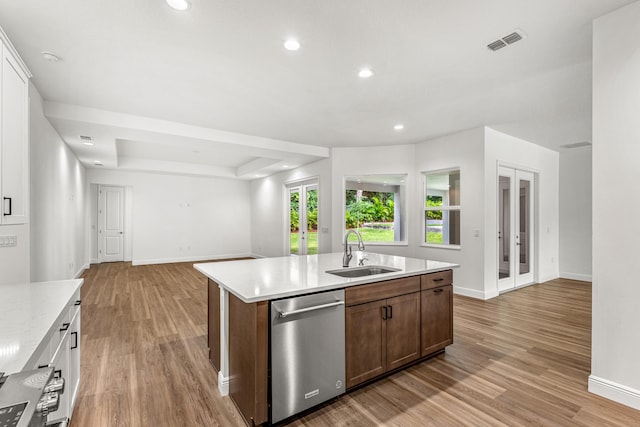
pixel 512 38
pixel 505 41
pixel 498 44
pixel 577 144
pixel 85 138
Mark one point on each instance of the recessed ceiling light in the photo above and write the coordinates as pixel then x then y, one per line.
pixel 399 126
pixel 292 44
pixel 365 73
pixel 285 166
pixel 180 5
pixel 97 162
pixel 89 143
pixel 51 57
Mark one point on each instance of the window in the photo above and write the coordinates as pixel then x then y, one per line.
pixel 375 206
pixel 442 208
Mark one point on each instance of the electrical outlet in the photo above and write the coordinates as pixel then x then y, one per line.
pixel 8 241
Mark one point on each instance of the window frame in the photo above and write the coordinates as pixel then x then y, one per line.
pixel 403 208
pixel 448 208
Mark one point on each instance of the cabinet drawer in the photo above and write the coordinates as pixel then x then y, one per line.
pixel 381 290
pixel 434 280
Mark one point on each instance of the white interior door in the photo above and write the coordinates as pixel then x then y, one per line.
pixel 515 228
pixel 110 223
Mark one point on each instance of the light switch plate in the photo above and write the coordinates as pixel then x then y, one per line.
pixel 8 241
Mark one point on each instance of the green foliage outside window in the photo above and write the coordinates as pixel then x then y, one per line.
pixel 434 201
pixel 371 207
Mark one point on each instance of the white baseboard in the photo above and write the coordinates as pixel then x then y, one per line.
pixel 473 293
pixel 82 269
pixel 188 259
pixel 576 276
pixel 94 261
pixel 614 391
pixel 223 384
pixel 257 256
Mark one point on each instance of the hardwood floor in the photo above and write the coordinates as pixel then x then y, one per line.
pixel 520 359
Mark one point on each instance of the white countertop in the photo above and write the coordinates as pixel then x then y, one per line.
pixel 28 311
pixel 271 278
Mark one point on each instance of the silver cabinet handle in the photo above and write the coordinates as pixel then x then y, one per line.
pixel 307 309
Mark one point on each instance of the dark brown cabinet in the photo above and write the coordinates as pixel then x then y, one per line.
pixel 436 312
pixel 383 334
pixel 365 331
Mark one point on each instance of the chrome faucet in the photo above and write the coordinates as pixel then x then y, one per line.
pixel 346 258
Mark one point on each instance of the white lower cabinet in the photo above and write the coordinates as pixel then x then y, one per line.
pixel 63 354
pixel 74 360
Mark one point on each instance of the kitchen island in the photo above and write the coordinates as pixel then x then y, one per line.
pixel 416 294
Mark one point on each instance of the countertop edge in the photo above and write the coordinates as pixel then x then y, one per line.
pixel 52 329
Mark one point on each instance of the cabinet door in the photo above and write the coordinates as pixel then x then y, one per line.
pixel 73 379
pixel 403 330
pixel 437 319
pixel 365 334
pixel 13 142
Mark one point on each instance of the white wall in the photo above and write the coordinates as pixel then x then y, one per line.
pixel 269 210
pixel 575 214
pixel 389 160
pixel 464 150
pixel 177 218
pixel 615 347
pixel 504 149
pixel 58 197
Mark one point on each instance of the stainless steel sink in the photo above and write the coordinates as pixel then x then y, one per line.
pixel 368 270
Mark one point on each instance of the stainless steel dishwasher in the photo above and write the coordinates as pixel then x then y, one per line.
pixel 307 352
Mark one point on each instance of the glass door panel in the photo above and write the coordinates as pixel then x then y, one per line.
pixel 506 224
pixel 504 231
pixel 294 221
pixel 311 215
pixel 523 235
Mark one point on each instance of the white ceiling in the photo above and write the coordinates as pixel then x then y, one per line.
pixel 213 92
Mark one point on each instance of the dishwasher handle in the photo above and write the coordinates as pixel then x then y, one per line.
pixel 307 309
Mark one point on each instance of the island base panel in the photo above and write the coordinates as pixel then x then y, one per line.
pixel 248 358
pixel 214 324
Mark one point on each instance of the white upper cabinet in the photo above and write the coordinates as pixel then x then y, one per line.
pixel 14 137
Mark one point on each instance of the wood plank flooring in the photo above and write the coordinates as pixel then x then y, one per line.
pixel 520 359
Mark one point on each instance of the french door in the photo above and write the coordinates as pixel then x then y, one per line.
pixel 515 228
pixel 303 219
